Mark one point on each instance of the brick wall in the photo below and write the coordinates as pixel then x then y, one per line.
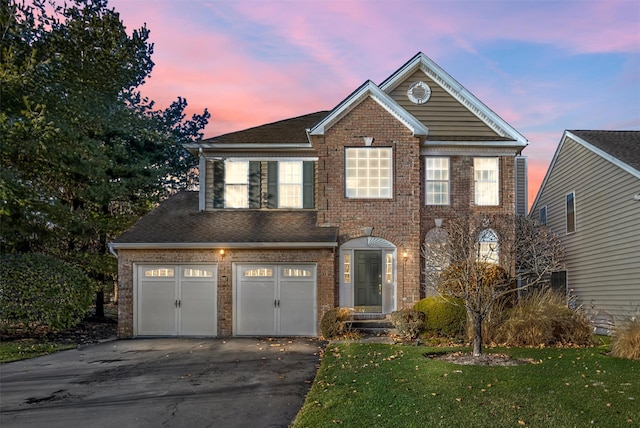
pixel 326 297
pixel 397 219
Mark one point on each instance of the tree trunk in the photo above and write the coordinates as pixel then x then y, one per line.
pixel 100 304
pixel 477 336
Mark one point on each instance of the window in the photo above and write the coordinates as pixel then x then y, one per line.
pixel 347 268
pixel 559 281
pixel 290 184
pixel 437 181
pixel 264 272
pixel 368 172
pixel 485 174
pixel 197 273
pixel 296 273
pixel 160 272
pixel 236 184
pixel 571 212
pixel 388 268
pixel 542 216
pixel 488 246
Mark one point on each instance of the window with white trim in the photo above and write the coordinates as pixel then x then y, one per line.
pixel 571 212
pixel 388 268
pixel 368 172
pixel 347 268
pixel 236 184
pixel 485 177
pixel 437 181
pixel 488 246
pixel 290 184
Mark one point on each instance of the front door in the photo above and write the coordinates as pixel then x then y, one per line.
pixel 368 280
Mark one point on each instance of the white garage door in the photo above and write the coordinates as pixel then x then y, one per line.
pixel 176 300
pixel 274 300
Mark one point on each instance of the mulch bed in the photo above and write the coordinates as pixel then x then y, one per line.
pixel 89 330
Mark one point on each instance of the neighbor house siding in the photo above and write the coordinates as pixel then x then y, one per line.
pixel 603 254
pixel 445 117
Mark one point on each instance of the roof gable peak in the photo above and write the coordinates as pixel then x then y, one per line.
pixel 370 90
pixel 425 64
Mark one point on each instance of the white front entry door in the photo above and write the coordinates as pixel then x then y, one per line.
pixel 176 300
pixel 275 300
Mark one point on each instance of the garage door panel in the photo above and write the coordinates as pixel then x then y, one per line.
pixel 256 314
pixel 198 314
pixel 276 299
pixel 176 300
pixel 297 303
pixel 157 308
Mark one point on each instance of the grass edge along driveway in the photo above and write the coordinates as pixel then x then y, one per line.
pixel 376 385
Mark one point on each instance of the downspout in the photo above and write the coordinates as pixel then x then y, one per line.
pixel 112 250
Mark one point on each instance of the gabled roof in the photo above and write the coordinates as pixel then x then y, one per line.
pixel 177 223
pixel 621 148
pixel 370 90
pixel 288 133
pixel 422 62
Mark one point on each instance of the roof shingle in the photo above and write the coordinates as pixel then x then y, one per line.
pixel 624 145
pixel 178 221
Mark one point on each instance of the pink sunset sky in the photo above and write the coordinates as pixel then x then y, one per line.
pixel 543 66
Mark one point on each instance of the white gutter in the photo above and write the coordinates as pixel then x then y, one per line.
pixel 217 245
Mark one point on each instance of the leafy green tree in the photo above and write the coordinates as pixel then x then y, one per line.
pixel 83 153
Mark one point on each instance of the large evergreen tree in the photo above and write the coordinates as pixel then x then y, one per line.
pixel 83 153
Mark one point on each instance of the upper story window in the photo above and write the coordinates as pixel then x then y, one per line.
pixel 239 183
pixel 236 184
pixel 571 212
pixel 368 172
pixel 485 176
pixel 437 181
pixel 290 184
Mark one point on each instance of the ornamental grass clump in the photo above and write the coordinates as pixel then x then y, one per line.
pixel 625 342
pixel 543 319
pixel 335 322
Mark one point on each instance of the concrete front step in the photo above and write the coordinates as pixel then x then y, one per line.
pixel 372 326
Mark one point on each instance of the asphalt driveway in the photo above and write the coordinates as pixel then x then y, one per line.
pixel 238 382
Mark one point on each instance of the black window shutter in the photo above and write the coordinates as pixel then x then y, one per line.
pixel 272 184
pixel 254 184
pixel 307 184
pixel 218 184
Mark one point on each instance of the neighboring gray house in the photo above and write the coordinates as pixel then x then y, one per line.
pixel 590 197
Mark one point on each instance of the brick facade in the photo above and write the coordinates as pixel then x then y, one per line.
pixel 396 219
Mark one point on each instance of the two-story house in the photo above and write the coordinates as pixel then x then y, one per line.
pixel 328 209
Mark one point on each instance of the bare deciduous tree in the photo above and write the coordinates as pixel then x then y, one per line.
pixel 482 258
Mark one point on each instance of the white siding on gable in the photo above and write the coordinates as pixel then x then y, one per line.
pixel 603 254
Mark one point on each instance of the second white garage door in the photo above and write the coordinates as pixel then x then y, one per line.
pixel 274 300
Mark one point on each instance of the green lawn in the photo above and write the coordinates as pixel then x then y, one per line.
pixel 375 385
pixel 28 348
